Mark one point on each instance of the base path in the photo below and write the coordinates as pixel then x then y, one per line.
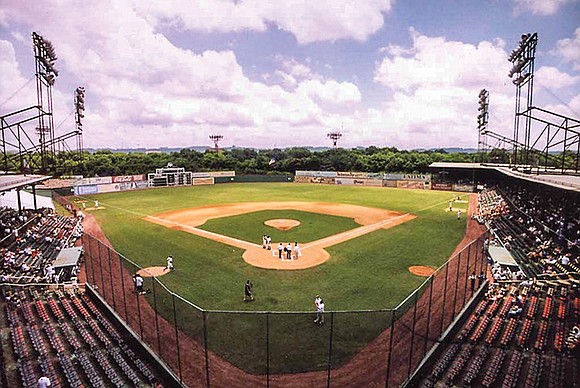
pixel 312 253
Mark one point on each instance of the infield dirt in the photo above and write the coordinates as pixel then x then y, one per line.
pixel 312 253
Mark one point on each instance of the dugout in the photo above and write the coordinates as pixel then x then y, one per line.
pixel 67 260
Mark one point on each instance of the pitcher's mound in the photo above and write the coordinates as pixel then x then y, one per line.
pixel 282 223
pixel 152 272
pixel 421 270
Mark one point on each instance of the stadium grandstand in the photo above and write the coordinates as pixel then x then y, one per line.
pixel 523 327
pixel 51 324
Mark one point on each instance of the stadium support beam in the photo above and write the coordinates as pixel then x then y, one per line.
pixel 32 151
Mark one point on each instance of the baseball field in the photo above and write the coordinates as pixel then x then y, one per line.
pixel 357 247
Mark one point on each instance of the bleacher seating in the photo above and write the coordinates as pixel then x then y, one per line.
pixel 39 240
pixel 494 348
pixel 65 337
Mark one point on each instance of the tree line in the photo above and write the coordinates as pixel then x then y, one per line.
pixel 251 161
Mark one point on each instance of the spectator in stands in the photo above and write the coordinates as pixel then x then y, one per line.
pixel 49 273
pixel 515 311
pixel 43 382
pixel 565 259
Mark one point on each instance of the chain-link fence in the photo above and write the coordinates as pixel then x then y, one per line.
pixel 219 348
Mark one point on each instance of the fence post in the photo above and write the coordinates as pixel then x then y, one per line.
pixel 330 349
pixel 101 271
pixel 139 313
pixel 429 313
pixel 205 345
pixel 467 273
pixel 92 258
pixel 456 285
pixel 176 336
pixel 390 348
pixel 267 349
pixel 86 255
pixel 111 278
pixel 412 343
pixel 444 298
pixel 156 317
pixel 121 266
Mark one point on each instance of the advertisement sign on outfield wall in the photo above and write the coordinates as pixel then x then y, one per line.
pixel 463 188
pixel 128 178
pixel 408 177
pixel 345 181
pixel 124 186
pixel 417 185
pixel 96 180
pixel 322 174
pixel 203 181
pixel 314 179
pixel 216 174
pixel 86 189
pixel 352 174
pixel 442 186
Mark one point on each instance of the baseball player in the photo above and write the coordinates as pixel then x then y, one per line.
pixel 169 265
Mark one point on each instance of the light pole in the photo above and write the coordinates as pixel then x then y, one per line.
pixel 482 122
pixel 334 136
pixel 46 73
pixel 522 74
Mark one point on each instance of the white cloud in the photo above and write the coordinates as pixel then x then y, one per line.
pixel 569 49
pixel 143 90
pixel 540 7
pixel 435 84
pixel 312 21
pixel 553 78
pixel 291 72
pixel 12 93
pixel 571 108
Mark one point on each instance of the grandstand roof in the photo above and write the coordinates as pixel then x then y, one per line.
pixel 10 182
pixel 565 182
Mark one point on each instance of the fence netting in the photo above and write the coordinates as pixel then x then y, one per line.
pixel 207 347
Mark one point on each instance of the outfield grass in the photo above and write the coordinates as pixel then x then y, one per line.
pixel 369 272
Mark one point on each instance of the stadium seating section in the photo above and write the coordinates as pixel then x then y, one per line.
pixel 524 331
pixel 55 332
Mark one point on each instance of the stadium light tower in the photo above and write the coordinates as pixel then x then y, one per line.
pixel 482 122
pixel 79 101
pixel 46 73
pixel 334 136
pixel 522 74
pixel 216 139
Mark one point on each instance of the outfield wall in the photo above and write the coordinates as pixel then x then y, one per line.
pixel 255 178
pixel 88 186
pixel 372 179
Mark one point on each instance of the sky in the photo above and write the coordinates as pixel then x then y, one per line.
pixel 265 73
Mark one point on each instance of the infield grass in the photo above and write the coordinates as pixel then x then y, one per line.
pixel 250 226
pixel 369 272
